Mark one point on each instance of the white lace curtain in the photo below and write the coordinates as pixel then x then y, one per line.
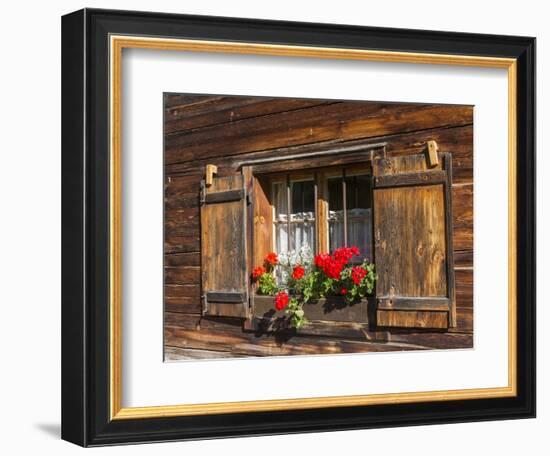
pixel 302 224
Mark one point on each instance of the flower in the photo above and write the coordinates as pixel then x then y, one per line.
pixel 333 269
pixel 298 272
pixel 357 274
pixel 321 260
pixel 258 272
pixel 344 291
pixel 344 254
pixel 271 259
pixel 281 300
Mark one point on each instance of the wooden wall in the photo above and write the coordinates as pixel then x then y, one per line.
pixel 224 130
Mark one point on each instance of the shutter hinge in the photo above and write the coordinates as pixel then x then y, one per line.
pixel 248 199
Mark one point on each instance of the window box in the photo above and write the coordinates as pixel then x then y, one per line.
pixel 327 316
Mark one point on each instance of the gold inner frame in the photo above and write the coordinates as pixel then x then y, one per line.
pixel 117 44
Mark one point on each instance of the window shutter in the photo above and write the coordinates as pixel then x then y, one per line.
pixel 413 242
pixel 223 247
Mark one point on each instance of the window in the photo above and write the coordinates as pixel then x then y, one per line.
pixel 397 211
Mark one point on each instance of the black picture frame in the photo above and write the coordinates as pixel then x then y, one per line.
pixel 85 225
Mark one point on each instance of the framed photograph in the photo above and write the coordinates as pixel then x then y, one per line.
pixel 274 227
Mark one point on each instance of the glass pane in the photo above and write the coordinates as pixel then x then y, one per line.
pixel 359 214
pixel 280 200
pixel 358 194
pixel 335 198
pixel 302 217
pixel 335 213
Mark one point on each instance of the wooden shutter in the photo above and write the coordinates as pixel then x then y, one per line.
pixel 223 247
pixel 413 242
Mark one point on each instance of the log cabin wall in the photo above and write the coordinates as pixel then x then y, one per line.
pixel 225 130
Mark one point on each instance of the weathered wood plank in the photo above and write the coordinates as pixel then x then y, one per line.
pixel 463 205
pixel 463 238
pixel 182 200
pixel 224 262
pixel 414 303
pixel 233 327
pixel 408 179
pixel 333 308
pixel 273 345
pixel 182 275
pixel 464 287
pixel 350 120
pixel 410 241
pixel 178 185
pixel 412 319
pixel 182 259
pixel 181 354
pixel 187 99
pixel 178 291
pixel 230 109
pixel 464 258
pixel 431 339
pixel 456 140
pixel 181 243
pixel 182 304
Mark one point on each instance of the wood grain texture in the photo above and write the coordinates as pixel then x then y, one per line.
pixel 456 140
pixel 412 218
pixel 410 241
pixel 350 119
pixel 224 263
pixel 227 130
pixel 262 221
pixel 227 109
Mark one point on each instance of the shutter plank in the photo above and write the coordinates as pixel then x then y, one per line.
pixel 224 269
pixel 415 287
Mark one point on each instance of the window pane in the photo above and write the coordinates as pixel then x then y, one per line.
pixel 302 216
pixel 335 213
pixel 359 214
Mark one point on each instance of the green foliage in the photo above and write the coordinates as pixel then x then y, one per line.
pixel 365 287
pixel 296 313
pixel 267 284
pixel 310 287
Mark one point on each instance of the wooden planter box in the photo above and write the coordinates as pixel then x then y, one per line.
pixel 327 316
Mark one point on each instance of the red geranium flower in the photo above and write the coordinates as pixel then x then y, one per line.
pixel 322 259
pixel 344 254
pixel 258 272
pixel 333 269
pixel 357 274
pixel 271 258
pixel 298 272
pixel 281 300
pixel 344 291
